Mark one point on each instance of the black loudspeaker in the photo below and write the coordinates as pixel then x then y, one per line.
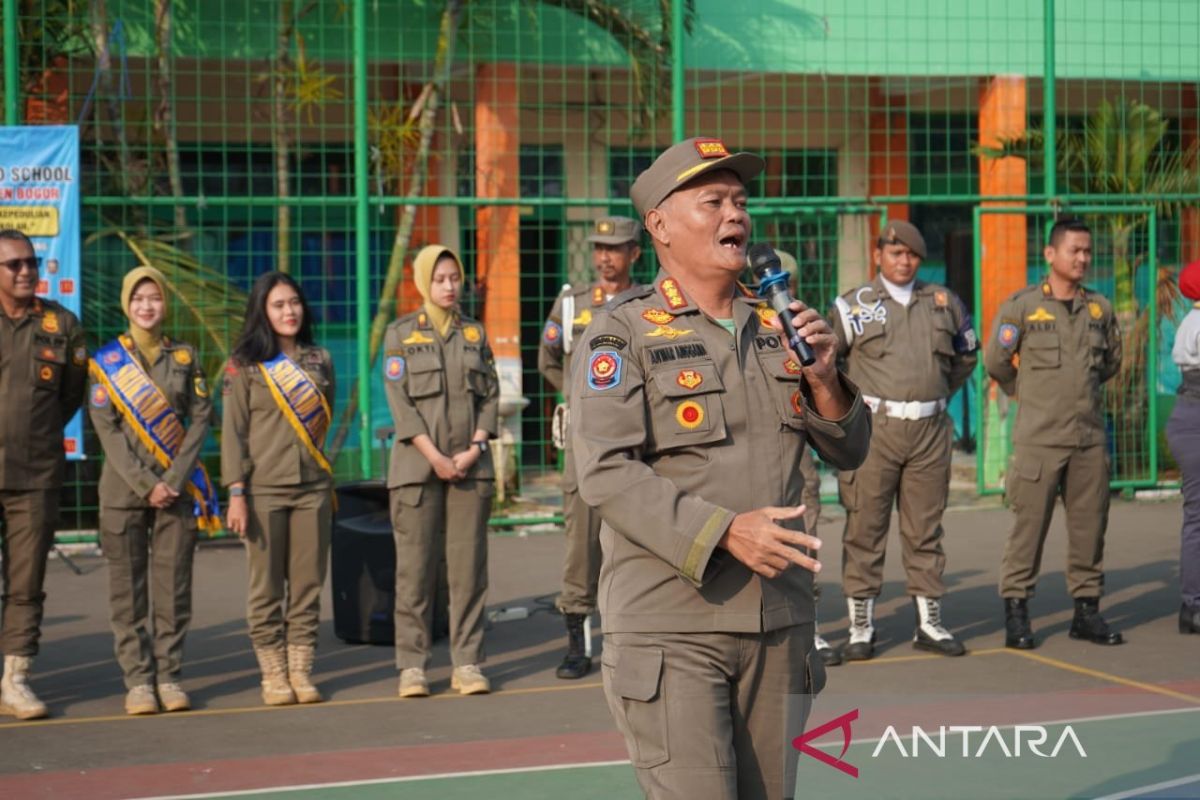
pixel 363 567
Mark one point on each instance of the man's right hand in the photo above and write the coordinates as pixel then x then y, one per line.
pixel 754 539
pixel 162 495
pixel 445 468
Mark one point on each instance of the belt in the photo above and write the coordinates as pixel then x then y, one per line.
pixel 910 409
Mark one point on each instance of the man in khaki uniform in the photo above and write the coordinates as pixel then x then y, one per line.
pixel 615 248
pixel 910 345
pixel 1054 345
pixel 691 419
pixel 43 371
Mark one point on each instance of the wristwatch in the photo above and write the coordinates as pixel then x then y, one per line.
pixel 482 445
pixel 237 491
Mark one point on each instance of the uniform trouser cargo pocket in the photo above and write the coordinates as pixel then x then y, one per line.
pixel 633 678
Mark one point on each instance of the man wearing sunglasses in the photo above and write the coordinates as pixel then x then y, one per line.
pixel 43 369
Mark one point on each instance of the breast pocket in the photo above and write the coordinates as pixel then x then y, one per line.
pixel 425 376
pixel 783 372
pixel 871 342
pixel 1041 350
pixel 48 366
pixel 943 334
pixel 479 379
pixel 688 408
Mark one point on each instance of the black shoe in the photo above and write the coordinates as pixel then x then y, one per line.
pixel 575 663
pixel 1189 619
pixel 1017 632
pixel 1090 626
pixel 829 657
pixel 859 651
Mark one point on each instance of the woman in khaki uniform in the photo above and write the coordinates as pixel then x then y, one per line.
pixel 151 409
pixel 277 394
pixel 443 393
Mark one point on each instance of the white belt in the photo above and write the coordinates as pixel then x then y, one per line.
pixel 911 409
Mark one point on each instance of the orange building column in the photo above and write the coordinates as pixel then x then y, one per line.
pixel 887 158
pixel 1002 107
pixel 1189 222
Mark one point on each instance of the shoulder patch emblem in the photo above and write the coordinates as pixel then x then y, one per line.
pixel 99 397
pixel 552 333
pixel 1095 310
pixel 472 334
pixel 689 414
pixel 183 357
pixel 1041 315
pixel 584 319
pixel 657 316
pixel 1008 335
pixel 79 356
pixel 669 333
pixel 689 378
pixel 604 370
pixel 416 337
pixel 393 368
pixel 670 292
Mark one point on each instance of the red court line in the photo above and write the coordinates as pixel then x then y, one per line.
pixel 234 775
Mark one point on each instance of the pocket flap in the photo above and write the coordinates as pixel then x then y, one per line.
pixel 424 362
pixel 637 673
pixel 1028 469
pixel 688 380
pixel 781 366
pixel 53 355
pixel 1042 340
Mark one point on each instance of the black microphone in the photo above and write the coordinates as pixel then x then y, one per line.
pixel 773 287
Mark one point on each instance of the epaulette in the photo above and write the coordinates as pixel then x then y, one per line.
pixel 635 292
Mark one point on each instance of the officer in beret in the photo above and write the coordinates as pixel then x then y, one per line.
pixel 1183 437
pixel 615 248
pixel 691 420
pixel 1055 344
pixel 885 330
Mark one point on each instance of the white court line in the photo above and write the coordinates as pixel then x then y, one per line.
pixel 1154 787
pixel 405 779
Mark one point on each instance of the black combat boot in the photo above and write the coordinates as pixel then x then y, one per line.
pixel 1089 625
pixel 1189 618
pixel 575 663
pixel 1017 631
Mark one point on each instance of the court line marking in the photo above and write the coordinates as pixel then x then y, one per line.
pixel 377 781
pixel 1154 787
pixel 216 712
pixel 991 651
pixel 1107 676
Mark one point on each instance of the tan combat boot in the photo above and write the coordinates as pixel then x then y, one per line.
pixel 173 697
pixel 141 700
pixel 16 698
pixel 300 664
pixel 469 680
pixel 275 688
pixel 413 683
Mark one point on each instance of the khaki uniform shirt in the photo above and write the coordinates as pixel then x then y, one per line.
pixel 445 388
pixel 553 362
pixel 923 351
pixel 43 374
pixel 258 445
pixel 680 427
pixel 1066 350
pixel 131 471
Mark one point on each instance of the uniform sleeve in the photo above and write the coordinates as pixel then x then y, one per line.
pixel 966 347
pixel 487 416
pixel 236 464
pixel 406 419
pixel 608 433
pixel 1003 343
pixel 841 443
pixel 75 378
pixel 1114 351
pixel 118 451
pixel 199 421
pixel 839 317
pixel 550 351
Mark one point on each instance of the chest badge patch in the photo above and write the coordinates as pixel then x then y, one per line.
pixel 584 319
pixel 416 337
pixel 689 378
pixel 689 414
pixel 765 314
pixel 50 322
pixel 1095 310
pixel 183 357
pixel 791 367
pixel 657 316
pixel 471 334
pixel 604 370
pixel 201 386
pixel 669 333
pixel 1041 315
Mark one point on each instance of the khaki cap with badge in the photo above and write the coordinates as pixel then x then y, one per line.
pixel 905 233
pixel 684 162
pixel 615 230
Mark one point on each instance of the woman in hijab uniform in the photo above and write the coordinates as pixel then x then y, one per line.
pixel 151 409
pixel 444 395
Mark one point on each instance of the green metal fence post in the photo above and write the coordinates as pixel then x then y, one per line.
pixel 1152 356
pixel 11 65
pixel 677 34
pixel 362 238
pixel 1050 108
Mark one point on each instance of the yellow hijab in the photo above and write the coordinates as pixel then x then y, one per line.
pixel 149 342
pixel 423 266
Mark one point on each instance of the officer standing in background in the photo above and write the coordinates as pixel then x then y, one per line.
pixel 909 345
pixel 615 248
pixel 691 419
pixel 43 371
pixel 1054 346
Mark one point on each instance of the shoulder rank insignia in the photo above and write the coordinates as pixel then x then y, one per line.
pixel 183 357
pixel 471 334
pixel 604 370
pixel 584 319
pixel 670 292
pixel 689 378
pixel 941 299
pixel 689 414
pixel 1041 315
pixel 669 333
pixel 50 322
pixel 422 320
pixel 1095 310
pixel 416 337
pixel 657 316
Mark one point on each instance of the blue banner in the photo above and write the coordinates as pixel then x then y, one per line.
pixel 39 194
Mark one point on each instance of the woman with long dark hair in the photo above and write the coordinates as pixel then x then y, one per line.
pixel 444 397
pixel 278 396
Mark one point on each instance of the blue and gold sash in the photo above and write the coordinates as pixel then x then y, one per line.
pixel 146 410
pixel 302 404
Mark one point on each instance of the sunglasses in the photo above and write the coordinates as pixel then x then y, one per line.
pixel 15 264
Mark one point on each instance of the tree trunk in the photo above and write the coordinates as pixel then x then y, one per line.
pixel 279 135
pixel 164 118
pixel 99 30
